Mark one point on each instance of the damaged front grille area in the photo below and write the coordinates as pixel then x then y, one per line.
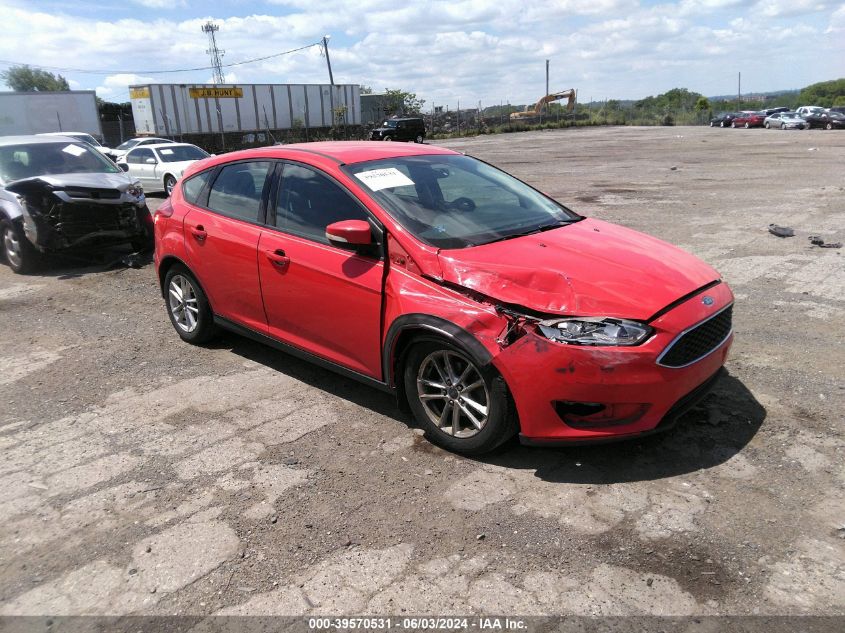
pixel 699 341
pixel 79 220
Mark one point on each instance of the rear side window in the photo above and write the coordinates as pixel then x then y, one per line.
pixel 308 202
pixel 139 156
pixel 237 190
pixel 192 187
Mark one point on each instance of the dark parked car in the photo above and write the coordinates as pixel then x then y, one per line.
pixel 839 109
pixel 723 119
pixel 60 194
pixel 826 120
pixel 749 119
pixel 407 129
pixel 771 111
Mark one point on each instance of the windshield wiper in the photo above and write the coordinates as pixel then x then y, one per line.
pixel 539 229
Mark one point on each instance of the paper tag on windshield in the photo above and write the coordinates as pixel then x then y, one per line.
pixel 378 179
pixel 74 150
pixel 166 151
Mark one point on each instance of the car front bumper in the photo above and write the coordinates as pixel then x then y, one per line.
pixel 553 384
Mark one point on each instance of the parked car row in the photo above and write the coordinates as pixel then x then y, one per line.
pixel 803 118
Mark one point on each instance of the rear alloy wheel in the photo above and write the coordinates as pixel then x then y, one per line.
pixel 187 306
pixel 733 124
pixel 169 183
pixel 462 407
pixel 419 138
pixel 21 256
pixel 721 124
pixel 829 126
pixel 747 125
pixel 768 126
pixel 711 123
pixel 387 138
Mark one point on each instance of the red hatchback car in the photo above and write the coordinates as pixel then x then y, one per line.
pixel 749 119
pixel 486 306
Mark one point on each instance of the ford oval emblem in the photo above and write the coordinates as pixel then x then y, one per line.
pixel 706 300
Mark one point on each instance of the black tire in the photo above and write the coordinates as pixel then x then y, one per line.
pixel 204 330
pixel 733 124
pixel 768 126
pixel 21 256
pixel 829 126
pixel 169 183
pixel 387 138
pixel 747 125
pixel 419 139
pixel 721 124
pixel 500 423
pixel 711 124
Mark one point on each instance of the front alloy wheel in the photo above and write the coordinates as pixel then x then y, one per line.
pixel 462 406
pixel 20 254
pixel 453 393
pixel 169 183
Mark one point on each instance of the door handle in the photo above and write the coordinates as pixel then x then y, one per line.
pixel 278 258
pixel 199 233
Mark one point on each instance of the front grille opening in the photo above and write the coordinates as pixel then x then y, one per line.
pixel 699 341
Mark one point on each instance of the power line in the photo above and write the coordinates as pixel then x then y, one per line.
pixel 158 72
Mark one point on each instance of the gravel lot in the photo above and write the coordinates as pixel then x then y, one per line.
pixel 141 475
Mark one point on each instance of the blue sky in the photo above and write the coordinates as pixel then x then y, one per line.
pixel 444 50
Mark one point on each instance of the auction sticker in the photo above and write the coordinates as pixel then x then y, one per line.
pixel 75 150
pixel 378 179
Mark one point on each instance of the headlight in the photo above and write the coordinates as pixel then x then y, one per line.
pixel 594 331
pixel 135 189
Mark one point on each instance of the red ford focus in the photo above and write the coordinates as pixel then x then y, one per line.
pixel 487 307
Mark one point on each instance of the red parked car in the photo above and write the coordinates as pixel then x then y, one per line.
pixel 749 119
pixel 486 306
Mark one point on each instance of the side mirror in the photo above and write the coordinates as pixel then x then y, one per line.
pixel 349 233
pixel 123 166
pixel 151 161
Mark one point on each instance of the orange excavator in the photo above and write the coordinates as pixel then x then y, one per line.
pixel 540 106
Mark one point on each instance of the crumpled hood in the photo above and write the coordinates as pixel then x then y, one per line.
pixel 119 181
pixel 589 268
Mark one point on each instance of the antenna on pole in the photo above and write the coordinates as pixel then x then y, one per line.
pixel 216 54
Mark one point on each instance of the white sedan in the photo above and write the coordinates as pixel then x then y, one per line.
pixel 158 167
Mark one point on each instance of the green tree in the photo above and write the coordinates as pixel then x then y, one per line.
pixel 401 102
pixel 702 104
pixel 24 79
pixel 822 94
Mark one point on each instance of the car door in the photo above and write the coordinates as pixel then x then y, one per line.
pixel 140 167
pixel 221 240
pixel 318 297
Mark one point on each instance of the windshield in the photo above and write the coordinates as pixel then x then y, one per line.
pixel 179 153
pixel 458 201
pixel 39 159
pixel 389 124
pixel 129 144
pixel 87 138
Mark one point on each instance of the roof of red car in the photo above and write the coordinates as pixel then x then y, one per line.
pixel 345 152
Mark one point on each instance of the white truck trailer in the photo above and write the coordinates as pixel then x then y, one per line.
pixel 37 112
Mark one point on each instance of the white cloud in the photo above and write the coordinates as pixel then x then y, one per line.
pixel 445 49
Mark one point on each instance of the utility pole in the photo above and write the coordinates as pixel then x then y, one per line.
pixel 738 88
pixel 547 91
pixel 328 61
pixel 216 54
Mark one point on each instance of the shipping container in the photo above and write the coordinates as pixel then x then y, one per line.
pixel 179 109
pixel 38 112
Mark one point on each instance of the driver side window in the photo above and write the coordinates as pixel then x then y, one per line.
pixel 309 201
pixel 139 156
